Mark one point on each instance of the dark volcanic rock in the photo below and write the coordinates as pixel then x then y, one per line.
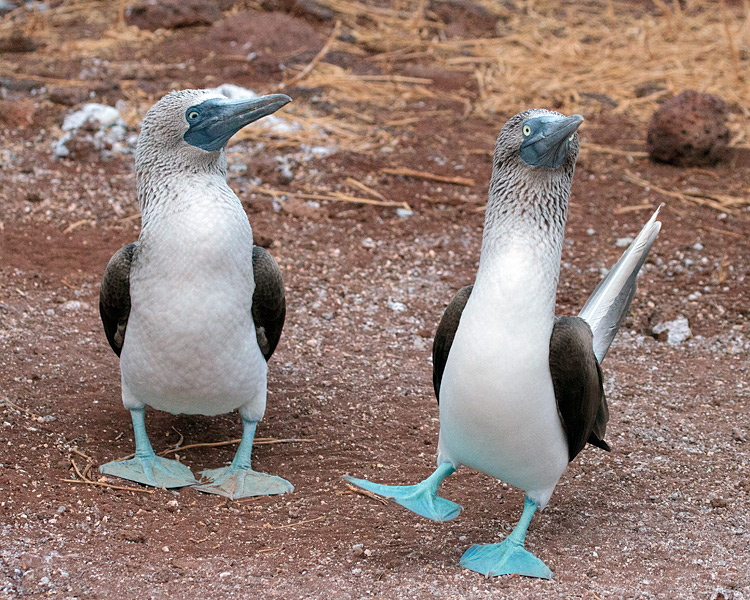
pixel 172 14
pixel 463 18
pixel 277 35
pixel 689 130
pixel 17 41
pixel 69 95
pixel 16 113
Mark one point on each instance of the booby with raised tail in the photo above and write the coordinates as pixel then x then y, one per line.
pixel 520 390
pixel 193 309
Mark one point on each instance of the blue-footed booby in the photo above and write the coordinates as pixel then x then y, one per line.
pixel 520 390
pixel 193 309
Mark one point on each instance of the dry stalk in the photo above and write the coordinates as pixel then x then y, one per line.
pixel 405 171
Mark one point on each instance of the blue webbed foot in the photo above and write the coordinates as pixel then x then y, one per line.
pixel 151 470
pixel 238 480
pixel 242 483
pixel 505 558
pixel 421 498
pixel 146 467
pixel 509 556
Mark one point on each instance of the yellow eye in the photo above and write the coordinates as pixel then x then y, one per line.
pixel 526 130
pixel 192 115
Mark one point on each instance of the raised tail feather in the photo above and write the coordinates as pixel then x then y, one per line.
pixel 606 307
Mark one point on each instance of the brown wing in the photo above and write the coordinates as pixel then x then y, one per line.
pixel 444 335
pixel 269 303
pixel 577 380
pixel 114 296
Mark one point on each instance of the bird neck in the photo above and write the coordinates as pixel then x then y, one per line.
pixel 165 182
pixel 522 241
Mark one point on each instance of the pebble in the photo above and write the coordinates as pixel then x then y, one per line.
pixel 624 241
pixel 396 306
pixel 590 231
pixel 404 213
pixel 74 305
pixel 677 331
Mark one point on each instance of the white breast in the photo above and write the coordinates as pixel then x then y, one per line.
pixel 190 344
pixel 498 412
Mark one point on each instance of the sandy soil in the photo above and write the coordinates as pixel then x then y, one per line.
pixel 664 515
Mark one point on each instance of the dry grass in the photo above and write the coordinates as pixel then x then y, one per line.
pixel 574 57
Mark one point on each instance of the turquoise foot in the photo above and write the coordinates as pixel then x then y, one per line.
pixel 242 483
pixel 421 498
pixel 505 558
pixel 151 470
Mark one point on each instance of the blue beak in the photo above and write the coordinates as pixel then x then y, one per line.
pixel 549 141
pixel 214 121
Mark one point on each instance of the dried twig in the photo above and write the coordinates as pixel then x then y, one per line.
pixel 405 171
pixel 367 493
pixel 19 408
pixel 615 151
pixel 364 188
pixel 300 522
pixel 318 57
pixel 108 485
pixel 719 202
pixel 256 442
pixel 620 210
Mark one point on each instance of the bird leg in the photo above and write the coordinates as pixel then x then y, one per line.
pixel 509 556
pixel 238 480
pixel 146 467
pixel 421 498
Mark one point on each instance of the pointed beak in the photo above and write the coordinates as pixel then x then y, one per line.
pixel 549 144
pixel 220 118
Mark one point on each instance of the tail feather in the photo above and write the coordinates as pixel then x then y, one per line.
pixel 607 306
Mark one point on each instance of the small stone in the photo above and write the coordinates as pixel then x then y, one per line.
pixel 300 208
pixel 590 231
pixel 718 502
pixel 689 130
pixel 133 536
pixel 369 243
pixel 404 213
pixel 17 42
pixel 74 306
pixel 624 242
pixel 697 246
pixel 358 550
pixel 677 331
pixel 16 113
pixel 396 306
pixel 171 14
pixel 165 549
pixel 69 95
pixel 172 506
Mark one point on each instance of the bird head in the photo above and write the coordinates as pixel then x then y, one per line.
pixel 197 124
pixel 539 139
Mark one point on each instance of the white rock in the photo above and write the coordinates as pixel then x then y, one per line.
pixel 110 136
pixel 74 305
pixel 624 241
pixel 396 306
pixel 677 331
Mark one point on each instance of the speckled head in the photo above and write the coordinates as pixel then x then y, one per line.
pixel 539 139
pixel 196 122
pixel 532 172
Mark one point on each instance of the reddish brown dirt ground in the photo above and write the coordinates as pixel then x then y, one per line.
pixel 664 515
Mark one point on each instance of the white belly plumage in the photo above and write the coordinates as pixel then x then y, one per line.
pixel 498 412
pixel 190 345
